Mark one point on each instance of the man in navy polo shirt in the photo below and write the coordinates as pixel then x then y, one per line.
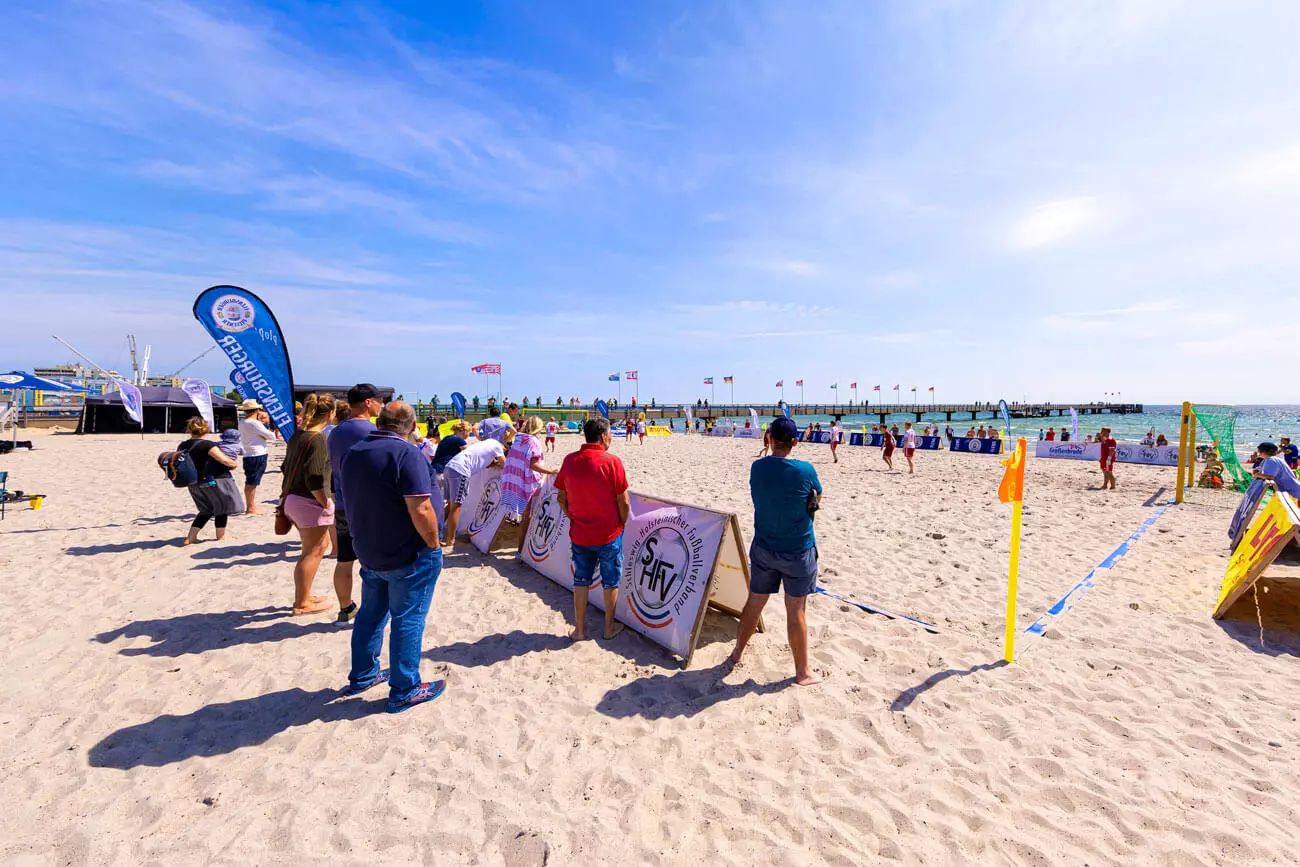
pixel 364 404
pixel 395 533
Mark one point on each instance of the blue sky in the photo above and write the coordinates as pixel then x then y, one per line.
pixel 999 199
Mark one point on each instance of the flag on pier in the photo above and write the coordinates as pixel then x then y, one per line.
pixel 875 388
pixel 487 369
pixel 781 384
pixel 932 389
pixel 799 382
pixel 727 379
pixel 835 385
pixel 708 380
pixel 895 388
pixel 631 374
pixel 853 385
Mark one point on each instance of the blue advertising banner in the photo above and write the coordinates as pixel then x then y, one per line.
pixel 976 445
pixel 246 330
pixel 927 443
pixel 785 408
pixel 855 439
pixel 458 403
pixel 240 384
pixel 602 408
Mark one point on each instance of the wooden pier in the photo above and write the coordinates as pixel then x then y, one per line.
pixel 916 412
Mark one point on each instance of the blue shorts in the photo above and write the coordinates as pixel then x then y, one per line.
pixel 254 468
pixel 769 571
pixel 610 557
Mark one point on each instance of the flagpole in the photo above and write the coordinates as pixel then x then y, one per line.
pixel 733 391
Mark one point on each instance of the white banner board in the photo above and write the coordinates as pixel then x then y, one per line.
pixel 748 433
pixel 482 511
pixel 677 559
pixel 1125 453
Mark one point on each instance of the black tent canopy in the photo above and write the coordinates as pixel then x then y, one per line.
pixel 166 410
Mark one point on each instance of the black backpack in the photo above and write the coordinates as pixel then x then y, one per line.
pixel 179 468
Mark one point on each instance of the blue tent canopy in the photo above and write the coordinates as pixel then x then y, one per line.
pixel 20 381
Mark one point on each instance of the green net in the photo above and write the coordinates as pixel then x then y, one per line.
pixel 1219 423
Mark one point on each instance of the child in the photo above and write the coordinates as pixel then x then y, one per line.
pixel 229 444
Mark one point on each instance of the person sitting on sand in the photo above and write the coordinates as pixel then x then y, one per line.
pixel 395 531
pixel 593 493
pixel 306 498
pixel 783 555
pixel 215 494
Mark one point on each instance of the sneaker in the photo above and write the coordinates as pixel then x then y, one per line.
pixel 346 615
pixel 357 688
pixel 424 692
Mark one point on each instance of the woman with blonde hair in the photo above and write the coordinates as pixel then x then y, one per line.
pixel 305 498
pixel 522 476
pixel 215 494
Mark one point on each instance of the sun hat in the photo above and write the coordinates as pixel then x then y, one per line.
pixel 249 405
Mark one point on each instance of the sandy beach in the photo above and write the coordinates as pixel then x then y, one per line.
pixel 160 706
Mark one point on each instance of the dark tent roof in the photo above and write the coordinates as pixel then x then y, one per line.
pixel 157 395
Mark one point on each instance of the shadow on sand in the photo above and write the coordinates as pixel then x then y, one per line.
pixel 196 633
pixel 905 698
pixel 218 729
pixel 1279 614
pixel 684 694
pixel 491 649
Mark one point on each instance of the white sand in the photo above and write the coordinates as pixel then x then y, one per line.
pixel 159 706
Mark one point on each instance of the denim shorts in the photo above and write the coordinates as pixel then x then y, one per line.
pixel 769 571
pixel 254 468
pixel 610 557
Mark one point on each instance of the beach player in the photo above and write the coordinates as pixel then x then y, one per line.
pixel 640 431
pixel 364 403
pixel 395 531
pixel 254 436
pixel 783 555
pixel 837 434
pixel 472 459
pixel 551 428
pixel 909 446
pixel 887 453
pixel 593 493
pixel 1108 449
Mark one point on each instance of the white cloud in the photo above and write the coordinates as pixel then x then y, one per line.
pixel 1054 222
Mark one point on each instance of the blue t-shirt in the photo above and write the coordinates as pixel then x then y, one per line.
pixel 379 475
pixel 1276 469
pixel 343 437
pixel 780 489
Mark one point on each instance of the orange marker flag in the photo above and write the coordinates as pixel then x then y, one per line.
pixel 1012 489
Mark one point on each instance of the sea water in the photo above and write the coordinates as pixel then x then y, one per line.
pixel 1254 423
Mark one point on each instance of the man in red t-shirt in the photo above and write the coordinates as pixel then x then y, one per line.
pixel 1051 434
pixel 593 493
pixel 1108 448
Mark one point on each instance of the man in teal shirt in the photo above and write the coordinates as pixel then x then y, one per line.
pixel 786 493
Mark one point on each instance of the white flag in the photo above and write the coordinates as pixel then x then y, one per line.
pixel 199 392
pixel 131 400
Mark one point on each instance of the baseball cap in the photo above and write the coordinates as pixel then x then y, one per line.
pixel 783 429
pixel 361 392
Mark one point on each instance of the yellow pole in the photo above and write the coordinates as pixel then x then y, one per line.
pixel 1013 572
pixel 1182 451
pixel 1191 449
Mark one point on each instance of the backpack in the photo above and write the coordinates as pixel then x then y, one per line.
pixel 179 468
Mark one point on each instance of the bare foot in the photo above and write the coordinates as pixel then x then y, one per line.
pixel 251 512
pixel 576 636
pixel 313 606
pixel 613 631
pixel 185 543
pixel 806 679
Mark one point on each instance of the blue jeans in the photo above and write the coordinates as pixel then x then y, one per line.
pixel 610 558
pixel 404 594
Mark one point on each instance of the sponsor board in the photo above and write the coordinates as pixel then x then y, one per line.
pixel 976 446
pixel 1268 534
pixel 483 510
pixel 1245 513
pixel 923 443
pixel 677 560
pixel 1125 453
pixel 721 430
pixel 748 433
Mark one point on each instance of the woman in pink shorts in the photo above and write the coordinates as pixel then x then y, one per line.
pixel 305 498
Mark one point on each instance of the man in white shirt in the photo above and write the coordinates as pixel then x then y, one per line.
pixel 473 458
pixel 254 436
